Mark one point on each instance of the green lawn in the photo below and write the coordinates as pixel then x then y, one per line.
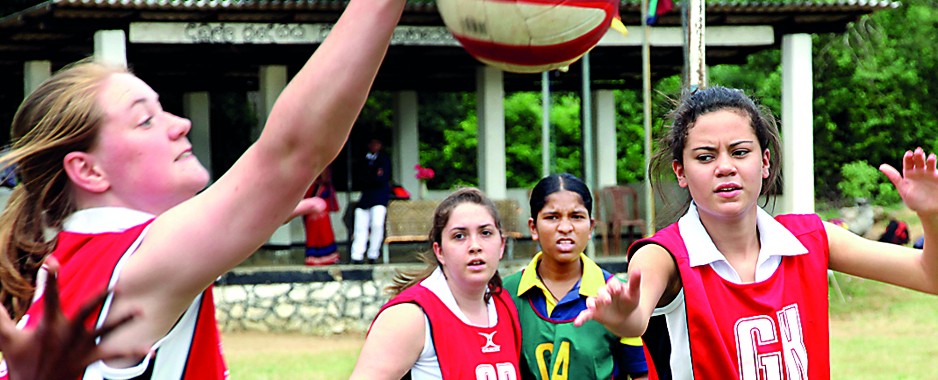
pixel 287 357
pixel 883 332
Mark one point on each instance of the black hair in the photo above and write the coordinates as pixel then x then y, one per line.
pixel 559 182
pixel 701 102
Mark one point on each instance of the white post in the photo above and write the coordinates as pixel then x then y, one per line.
pixel 111 46
pixel 272 79
pixel 696 48
pixel 196 107
pixel 490 104
pixel 646 120
pixel 545 124
pixel 586 107
pixel 797 124
pixel 34 73
pixel 406 141
pixel 604 139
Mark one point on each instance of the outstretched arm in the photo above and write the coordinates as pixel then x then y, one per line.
pixel 58 348
pixel 202 238
pixel 625 308
pixel 917 184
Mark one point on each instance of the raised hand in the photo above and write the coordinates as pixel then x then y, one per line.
pixel 616 307
pixel 918 182
pixel 58 348
pixel 313 207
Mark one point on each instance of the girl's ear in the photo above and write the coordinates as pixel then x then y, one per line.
pixel 766 163
pixel 83 171
pixel 438 252
pixel 678 169
pixel 533 227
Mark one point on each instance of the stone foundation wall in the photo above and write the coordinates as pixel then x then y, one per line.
pixel 317 301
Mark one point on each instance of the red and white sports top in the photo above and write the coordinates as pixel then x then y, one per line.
pixel 464 351
pixel 774 328
pixel 94 245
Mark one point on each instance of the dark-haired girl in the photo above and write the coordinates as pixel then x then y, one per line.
pixel 552 290
pixel 744 294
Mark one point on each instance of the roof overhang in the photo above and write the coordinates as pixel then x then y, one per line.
pixel 61 31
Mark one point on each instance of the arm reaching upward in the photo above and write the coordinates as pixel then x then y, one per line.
pixel 224 224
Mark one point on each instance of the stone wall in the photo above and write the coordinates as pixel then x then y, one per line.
pixel 317 301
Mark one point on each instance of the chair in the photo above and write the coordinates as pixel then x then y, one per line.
pixel 617 208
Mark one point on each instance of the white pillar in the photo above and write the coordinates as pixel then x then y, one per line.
pixel 696 54
pixel 490 103
pixel 196 108
pixel 797 124
pixel 111 46
pixel 604 139
pixel 271 81
pixel 586 116
pixel 34 73
pixel 406 141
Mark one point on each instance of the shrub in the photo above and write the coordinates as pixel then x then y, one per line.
pixel 861 180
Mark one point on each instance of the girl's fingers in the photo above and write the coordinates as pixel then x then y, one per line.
pixel 51 298
pixel 891 173
pixel 91 305
pixel 635 282
pixel 7 327
pixel 110 326
pixel 907 162
pixel 105 355
pixel 586 314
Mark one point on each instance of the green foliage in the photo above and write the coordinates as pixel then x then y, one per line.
pixel 861 180
pixel 448 140
pixel 874 90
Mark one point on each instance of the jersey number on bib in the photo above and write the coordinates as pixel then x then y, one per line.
pixel 500 371
pixel 561 361
pixel 760 330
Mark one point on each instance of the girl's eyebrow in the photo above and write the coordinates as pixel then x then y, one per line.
pixel 709 148
pixel 740 142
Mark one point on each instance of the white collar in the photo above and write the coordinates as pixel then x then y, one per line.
pixel 774 239
pixel 437 284
pixel 104 219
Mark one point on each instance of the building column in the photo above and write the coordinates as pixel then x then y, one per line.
pixel 797 124
pixel 406 140
pixel 490 103
pixel 110 46
pixel 195 106
pixel 272 79
pixel 604 139
pixel 34 73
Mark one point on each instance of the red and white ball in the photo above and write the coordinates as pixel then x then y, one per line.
pixel 528 36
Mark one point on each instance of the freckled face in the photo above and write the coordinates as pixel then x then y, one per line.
pixel 471 246
pixel 143 150
pixel 562 227
pixel 723 164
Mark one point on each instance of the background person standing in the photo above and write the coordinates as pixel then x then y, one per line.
pixel 372 207
pixel 320 238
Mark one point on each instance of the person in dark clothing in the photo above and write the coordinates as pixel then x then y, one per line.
pixel 372 207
